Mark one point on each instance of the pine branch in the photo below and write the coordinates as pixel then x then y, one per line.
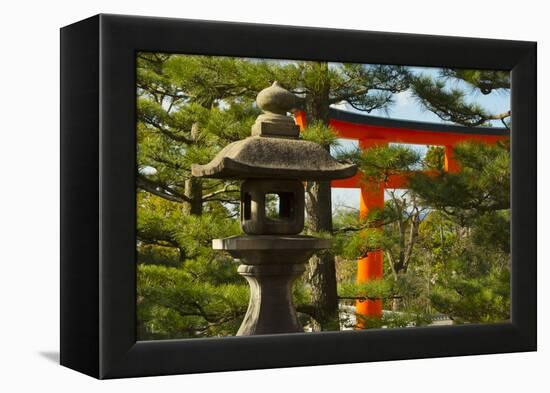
pixel 450 105
pixel 159 240
pixel 225 189
pixel 369 108
pixel 161 190
pixel 500 116
pixel 360 92
pixel 176 95
pixel 230 201
pixel 165 131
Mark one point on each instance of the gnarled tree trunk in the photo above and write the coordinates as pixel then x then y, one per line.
pixel 193 191
pixel 322 270
pixel 193 185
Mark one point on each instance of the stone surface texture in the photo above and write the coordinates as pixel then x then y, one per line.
pixel 265 249
pixel 270 309
pixel 291 207
pixel 276 158
pixel 275 101
pixel 270 264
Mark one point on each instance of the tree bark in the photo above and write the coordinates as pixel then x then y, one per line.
pixel 193 191
pixel 193 185
pixel 322 270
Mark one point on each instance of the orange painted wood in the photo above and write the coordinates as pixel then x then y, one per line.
pixel 300 119
pixel 371 266
pixel 451 165
pixel 402 135
pixel 350 182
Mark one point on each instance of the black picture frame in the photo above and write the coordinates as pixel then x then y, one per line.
pixel 98 215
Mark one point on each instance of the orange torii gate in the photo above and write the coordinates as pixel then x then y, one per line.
pixel 371 131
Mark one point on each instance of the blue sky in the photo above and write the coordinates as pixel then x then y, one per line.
pixel 405 107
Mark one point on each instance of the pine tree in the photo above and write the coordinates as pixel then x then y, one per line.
pixel 321 85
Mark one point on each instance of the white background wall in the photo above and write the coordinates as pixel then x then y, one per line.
pixel 29 184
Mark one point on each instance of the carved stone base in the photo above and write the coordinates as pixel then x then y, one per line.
pixel 270 264
pixel 270 309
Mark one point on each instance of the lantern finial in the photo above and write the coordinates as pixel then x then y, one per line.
pixel 275 101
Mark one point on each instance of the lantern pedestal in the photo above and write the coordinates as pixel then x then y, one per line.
pixel 270 264
pixel 270 309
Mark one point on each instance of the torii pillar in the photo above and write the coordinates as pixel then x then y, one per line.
pixel 370 266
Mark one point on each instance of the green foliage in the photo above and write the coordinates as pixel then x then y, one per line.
pixel 383 161
pixel 482 184
pixel 448 104
pixel 209 79
pixel 467 239
pixel 156 254
pixel 369 87
pixel 354 244
pixel 381 289
pixel 172 303
pixel 321 134
pixel 484 80
pixel 435 158
pixel 387 290
pixel 470 294
pixel 392 320
pixel 492 230
pixel 438 235
pixel 161 220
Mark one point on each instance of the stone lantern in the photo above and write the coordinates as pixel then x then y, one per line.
pixel 273 163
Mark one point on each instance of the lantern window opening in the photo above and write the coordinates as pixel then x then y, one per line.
pixel 279 206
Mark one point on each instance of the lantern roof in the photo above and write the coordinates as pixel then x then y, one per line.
pixel 274 150
pixel 264 157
